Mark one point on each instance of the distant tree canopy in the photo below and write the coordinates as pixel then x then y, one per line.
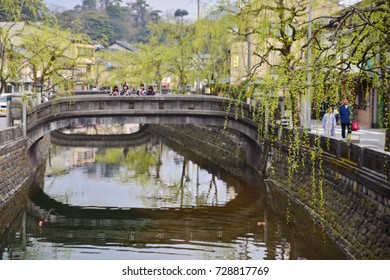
pixel 109 20
pixel 89 4
pixel 102 20
pixel 98 27
pixel 180 13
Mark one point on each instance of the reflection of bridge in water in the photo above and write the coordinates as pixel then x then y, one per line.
pixel 185 231
pixel 143 225
pixel 101 140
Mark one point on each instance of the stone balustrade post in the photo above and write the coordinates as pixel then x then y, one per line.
pixel 24 118
pixel 9 121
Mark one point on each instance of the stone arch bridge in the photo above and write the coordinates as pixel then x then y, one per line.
pixel 87 110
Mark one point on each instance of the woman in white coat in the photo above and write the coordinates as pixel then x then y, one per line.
pixel 329 123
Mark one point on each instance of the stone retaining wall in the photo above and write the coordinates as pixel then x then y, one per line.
pixel 355 206
pixel 19 167
pixel 225 147
pixel 354 209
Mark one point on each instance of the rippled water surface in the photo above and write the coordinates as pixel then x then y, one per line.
pixel 148 201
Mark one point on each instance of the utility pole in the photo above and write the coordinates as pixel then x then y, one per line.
pixel 198 74
pixel 248 38
pixel 198 10
pixel 249 58
pixel 306 99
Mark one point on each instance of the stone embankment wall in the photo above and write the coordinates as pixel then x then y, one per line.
pixel 20 166
pixel 352 206
pixel 224 147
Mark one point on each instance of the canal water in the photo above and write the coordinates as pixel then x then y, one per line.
pixel 146 200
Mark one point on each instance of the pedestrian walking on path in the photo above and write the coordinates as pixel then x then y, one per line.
pixel 345 118
pixel 329 123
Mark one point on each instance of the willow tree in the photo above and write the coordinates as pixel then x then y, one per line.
pixel 273 34
pixel 271 60
pixel 33 45
pixel 144 65
pixel 176 36
pixel 12 15
pixel 11 61
pixel 52 56
pixel 269 65
pixel 356 50
pixel 113 67
pixel 101 69
pixel 152 62
pixel 269 36
pixel 210 47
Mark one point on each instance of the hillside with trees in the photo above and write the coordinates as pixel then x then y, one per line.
pixel 108 20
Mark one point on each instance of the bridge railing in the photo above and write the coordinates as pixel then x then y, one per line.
pixel 360 156
pixel 10 135
pixel 96 105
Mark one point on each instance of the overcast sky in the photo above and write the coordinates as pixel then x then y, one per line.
pixel 164 5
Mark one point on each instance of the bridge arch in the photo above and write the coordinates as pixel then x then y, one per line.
pixel 87 110
pixel 140 137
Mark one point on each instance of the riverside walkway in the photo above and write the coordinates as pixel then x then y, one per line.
pixel 368 137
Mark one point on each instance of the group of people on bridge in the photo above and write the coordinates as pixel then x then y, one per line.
pixel 126 91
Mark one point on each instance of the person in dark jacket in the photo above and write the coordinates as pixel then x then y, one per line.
pixel 141 90
pixel 150 91
pixel 125 90
pixel 345 117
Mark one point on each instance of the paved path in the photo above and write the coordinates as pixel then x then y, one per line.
pixel 369 137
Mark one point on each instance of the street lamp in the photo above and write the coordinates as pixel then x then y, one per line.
pixel 306 99
pixel 38 90
pixel 38 87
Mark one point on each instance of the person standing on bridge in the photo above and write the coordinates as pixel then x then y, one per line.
pixel 141 90
pixel 150 91
pixel 345 117
pixel 115 91
pixel 125 90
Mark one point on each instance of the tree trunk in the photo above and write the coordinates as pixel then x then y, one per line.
pixel 386 98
